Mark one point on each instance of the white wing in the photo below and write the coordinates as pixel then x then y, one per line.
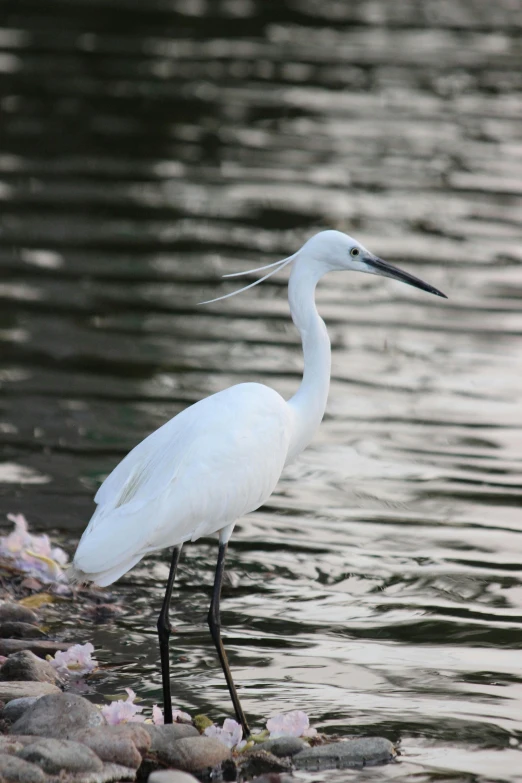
pixel 198 473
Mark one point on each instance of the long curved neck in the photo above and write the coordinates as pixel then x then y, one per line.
pixel 309 402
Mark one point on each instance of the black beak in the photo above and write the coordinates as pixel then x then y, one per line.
pixel 387 270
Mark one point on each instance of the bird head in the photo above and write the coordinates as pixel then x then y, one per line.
pixel 333 251
pixel 337 252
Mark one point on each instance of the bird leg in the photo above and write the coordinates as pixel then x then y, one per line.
pixel 164 630
pixel 214 623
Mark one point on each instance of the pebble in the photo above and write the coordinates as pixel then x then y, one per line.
pixel 10 612
pixel 118 749
pixel 25 665
pixel 55 755
pixel 13 629
pixel 194 754
pixel 356 753
pixel 130 731
pixel 16 707
pixel 283 746
pixel 57 715
pixel 16 770
pixel 19 689
pixel 162 737
pixel 171 776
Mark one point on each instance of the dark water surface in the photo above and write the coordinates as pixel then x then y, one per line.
pixel 147 148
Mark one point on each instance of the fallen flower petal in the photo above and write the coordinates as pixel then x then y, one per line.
pixel 123 710
pixel 76 661
pixel 289 724
pixel 230 735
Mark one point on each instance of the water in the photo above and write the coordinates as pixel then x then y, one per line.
pixel 146 151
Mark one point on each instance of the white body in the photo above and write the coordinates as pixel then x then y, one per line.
pixel 223 456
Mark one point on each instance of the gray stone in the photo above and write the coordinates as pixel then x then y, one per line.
pixel 356 753
pixel 16 770
pixel 18 690
pixel 283 746
pixel 162 737
pixel 17 613
pixel 15 708
pixel 117 748
pixel 58 715
pixel 274 777
pixel 55 755
pixel 259 762
pixel 15 630
pixel 194 754
pixel 171 776
pixel 10 744
pixel 25 665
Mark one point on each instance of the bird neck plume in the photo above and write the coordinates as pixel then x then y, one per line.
pixel 309 402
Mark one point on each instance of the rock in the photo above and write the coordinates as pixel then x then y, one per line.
pixel 162 737
pixel 356 753
pixel 10 612
pixel 18 690
pixel 283 746
pixel 9 744
pixel 131 732
pixel 171 776
pixel 15 708
pixel 40 647
pixel 194 754
pixel 259 762
pixel 109 746
pixel 16 770
pixel 55 755
pixel 58 715
pixel 16 630
pixel 25 665
pixel 273 777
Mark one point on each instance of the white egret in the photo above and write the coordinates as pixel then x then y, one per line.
pixel 222 457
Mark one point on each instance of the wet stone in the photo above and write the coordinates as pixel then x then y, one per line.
pixel 25 665
pixel 108 746
pixel 194 754
pixel 259 762
pixel 55 755
pixel 10 612
pixel 20 689
pixel 16 770
pixel 274 777
pixel 15 708
pixel 17 630
pixel 58 715
pixel 355 753
pixel 283 746
pixel 162 737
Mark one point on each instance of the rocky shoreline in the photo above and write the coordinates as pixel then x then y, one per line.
pixel 50 735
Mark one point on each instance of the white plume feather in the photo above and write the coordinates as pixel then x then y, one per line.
pixel 278 264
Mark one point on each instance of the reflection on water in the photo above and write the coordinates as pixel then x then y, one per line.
pixel 145 152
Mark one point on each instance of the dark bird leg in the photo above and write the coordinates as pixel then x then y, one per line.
pixel 164 630
pixel 214 623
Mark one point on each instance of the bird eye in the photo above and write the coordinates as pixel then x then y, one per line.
pixel 354 251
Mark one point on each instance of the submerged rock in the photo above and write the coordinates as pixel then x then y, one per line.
pixel 25 665
pixel 355 753
pixel 283 746
pixel 16 770
pixel 260 762
pixel 16 707
pixel 55 756
pixel 58 715
pixel 194 754
pixel 19 689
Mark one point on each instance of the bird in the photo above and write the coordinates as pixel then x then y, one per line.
pixel 221 458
